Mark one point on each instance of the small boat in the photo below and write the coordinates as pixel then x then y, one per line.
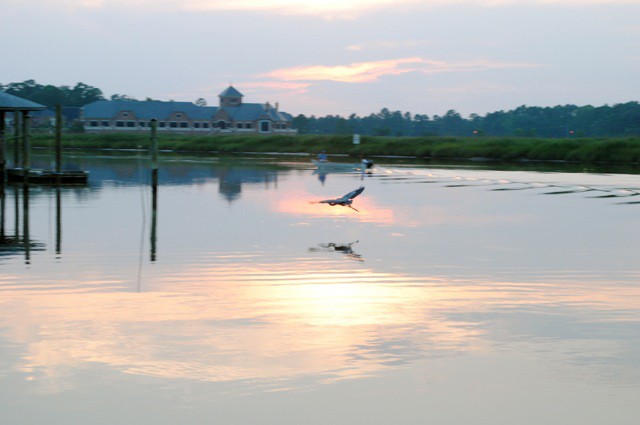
pixel 336 166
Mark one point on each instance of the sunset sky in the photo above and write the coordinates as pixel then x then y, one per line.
pixel 334 56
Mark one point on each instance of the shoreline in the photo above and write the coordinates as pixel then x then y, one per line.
pixel 506 150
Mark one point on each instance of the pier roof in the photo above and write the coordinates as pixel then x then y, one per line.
pixel 9 102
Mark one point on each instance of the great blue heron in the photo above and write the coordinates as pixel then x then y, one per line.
pixel 345 200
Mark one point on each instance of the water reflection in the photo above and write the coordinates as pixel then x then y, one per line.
pixel 268 322
pixel 231 179
pixel 322 176
pixel 251 318
pixel 262 293
pixel 559 183
pixel 19 242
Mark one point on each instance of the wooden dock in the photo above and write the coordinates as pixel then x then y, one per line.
pixel 24 173
pixel 47 177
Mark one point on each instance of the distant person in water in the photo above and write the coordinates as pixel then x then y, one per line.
pixel 367 164
pixel 322 156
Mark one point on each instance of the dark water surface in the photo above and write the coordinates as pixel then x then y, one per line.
pixel 458 294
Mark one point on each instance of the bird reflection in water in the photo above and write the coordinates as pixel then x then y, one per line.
pixel 345 248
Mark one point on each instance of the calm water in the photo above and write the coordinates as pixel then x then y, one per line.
pixel 456 295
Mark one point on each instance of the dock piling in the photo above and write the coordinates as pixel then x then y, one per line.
pixel 26 142
pixel 3 148
pixel 58 141
pixel 154 187
pixel 16 138
pixel 154 151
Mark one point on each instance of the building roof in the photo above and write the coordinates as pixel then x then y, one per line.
pixel 147 109
pixel 244 112
pixel 230 92
pixel 9 102
pixel 254 111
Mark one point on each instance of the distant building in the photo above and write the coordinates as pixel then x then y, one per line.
pixel 231 116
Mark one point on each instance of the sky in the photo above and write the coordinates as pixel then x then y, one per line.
pixel 333 57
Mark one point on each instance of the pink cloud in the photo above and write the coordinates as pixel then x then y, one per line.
pixel 364 72
pixel 288 86
pixel 353 73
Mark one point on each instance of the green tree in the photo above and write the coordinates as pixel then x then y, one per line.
pixel 51 96
pixel 121 97
pixel 301 123
pixel 83 94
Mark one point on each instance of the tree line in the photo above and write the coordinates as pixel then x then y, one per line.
pixel 48 95
pixel 525 121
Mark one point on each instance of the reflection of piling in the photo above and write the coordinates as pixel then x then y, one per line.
pixel 2 215
pixel 154 224
pixel 25 222
pixel 58 221
pixel 154 187
pixel 16 212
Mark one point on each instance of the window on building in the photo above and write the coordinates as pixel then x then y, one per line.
pixel 239 125
pixel 119 123
pixel 205 125
pixel 93 123
pixel 173 124
pixel 196 125
pixel 184 124
pixel 265 126
pixel 105 123
pixel 162 124
pixel 178 115
pixel 142 124
pixel 131 123
pixel 125 114
pixel 248 125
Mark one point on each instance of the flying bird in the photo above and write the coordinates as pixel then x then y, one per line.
pixel 345 200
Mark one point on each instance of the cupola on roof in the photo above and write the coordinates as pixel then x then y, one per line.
pixel 231 92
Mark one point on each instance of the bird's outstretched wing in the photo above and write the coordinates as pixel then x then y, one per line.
pixel 352 194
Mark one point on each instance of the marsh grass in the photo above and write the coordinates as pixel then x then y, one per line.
pixel 616 150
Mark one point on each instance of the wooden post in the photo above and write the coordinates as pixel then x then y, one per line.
pixel 154 187
pixel 3 149
pixel 26 149
pixel 16 138
pixel 58 143
pixel 26 142
pixel 154 151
